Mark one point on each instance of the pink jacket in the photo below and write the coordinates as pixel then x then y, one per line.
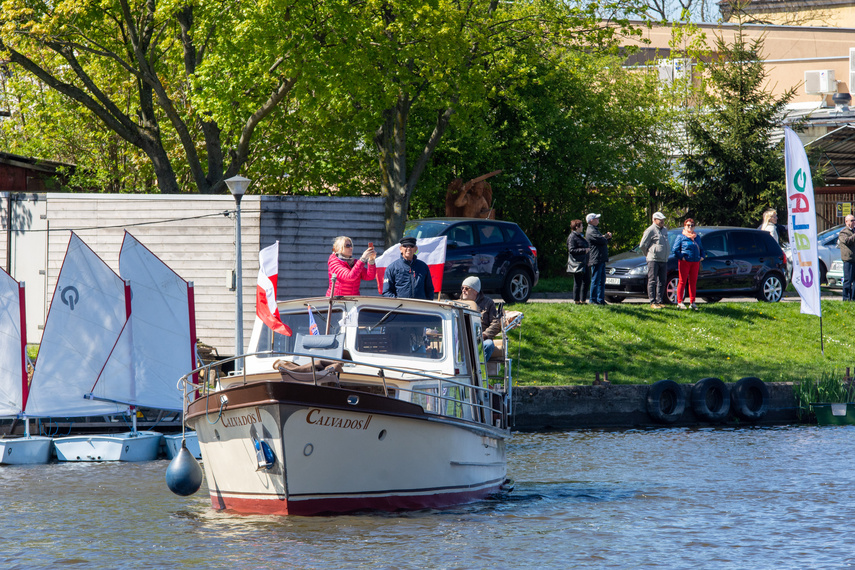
pixel 348 278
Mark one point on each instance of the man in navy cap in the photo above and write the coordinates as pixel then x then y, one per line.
pixel 407 276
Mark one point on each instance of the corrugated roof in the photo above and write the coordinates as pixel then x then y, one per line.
pixel 838 154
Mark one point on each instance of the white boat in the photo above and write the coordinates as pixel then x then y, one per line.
pixel 172 443
pixel 105 351
pixel 14 379
pixel 391 410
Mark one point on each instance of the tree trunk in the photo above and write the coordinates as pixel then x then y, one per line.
pixel 391 142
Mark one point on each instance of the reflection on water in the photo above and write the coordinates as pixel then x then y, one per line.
pixel 665 498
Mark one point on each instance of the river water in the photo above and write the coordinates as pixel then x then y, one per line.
pixel 665 498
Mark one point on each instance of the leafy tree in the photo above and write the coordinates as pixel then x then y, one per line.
pixel 580 135
pixel 146 70
pixel 732 171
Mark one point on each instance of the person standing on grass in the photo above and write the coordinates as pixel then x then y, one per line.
pixel 597 259
pixel 846 242
pixel 689 252
pixel 577 262
pixel 654 246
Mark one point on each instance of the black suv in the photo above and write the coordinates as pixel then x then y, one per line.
pixel 739 262
pixel 497 252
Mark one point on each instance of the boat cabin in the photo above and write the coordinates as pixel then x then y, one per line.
pixel 425 352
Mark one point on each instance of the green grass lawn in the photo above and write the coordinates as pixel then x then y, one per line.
pixel 563 343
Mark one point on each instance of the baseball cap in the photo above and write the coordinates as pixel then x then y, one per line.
pixel 658 216
pixel 590 217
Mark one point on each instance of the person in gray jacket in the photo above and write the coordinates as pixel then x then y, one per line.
pixel 846 243
pixel 655 247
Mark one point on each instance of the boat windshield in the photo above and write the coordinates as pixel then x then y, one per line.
pixel 400 333
pixel 299 324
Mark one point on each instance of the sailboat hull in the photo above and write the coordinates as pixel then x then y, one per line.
pixel 33 450
pixel 129 446
pixel 173 444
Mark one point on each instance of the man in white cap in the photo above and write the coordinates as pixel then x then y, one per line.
pixel 490 323
pixel 655 247
pixel 597 258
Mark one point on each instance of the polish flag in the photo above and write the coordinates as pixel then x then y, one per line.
pixel 265 297
pixel 429 250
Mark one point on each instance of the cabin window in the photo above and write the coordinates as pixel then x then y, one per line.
pixel 398 333
pixel 299 324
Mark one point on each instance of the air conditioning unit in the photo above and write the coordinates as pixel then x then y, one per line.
pixel 851 70
pixel 820 82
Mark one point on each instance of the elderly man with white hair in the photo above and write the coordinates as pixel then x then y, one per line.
pixel 490 323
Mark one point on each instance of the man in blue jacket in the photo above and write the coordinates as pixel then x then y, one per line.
pixel 407 276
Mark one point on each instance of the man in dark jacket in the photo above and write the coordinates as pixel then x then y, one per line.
pixel 846 242
pixel 597 258
pixel 407 276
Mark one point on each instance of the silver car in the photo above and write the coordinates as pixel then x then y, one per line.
pixel 826 250
pixel 835 275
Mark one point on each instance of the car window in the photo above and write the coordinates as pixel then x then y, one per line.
pixel 461 235
pixel 715 245
pixel 489 233
pixel 424 229
pixel 745 244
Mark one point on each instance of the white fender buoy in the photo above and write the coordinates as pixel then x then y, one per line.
pixel 184 475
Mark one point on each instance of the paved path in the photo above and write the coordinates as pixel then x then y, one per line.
pixel 567 297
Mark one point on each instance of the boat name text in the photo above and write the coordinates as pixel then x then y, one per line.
pixel 244 420
pixel 315 417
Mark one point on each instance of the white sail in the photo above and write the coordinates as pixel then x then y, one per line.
pixel 87 314
pixel 13 369
pixel 161 334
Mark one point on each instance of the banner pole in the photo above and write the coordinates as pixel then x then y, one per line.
pixel 821 345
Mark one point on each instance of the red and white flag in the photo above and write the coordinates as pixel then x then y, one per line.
pixel 429 250
pixel 265 297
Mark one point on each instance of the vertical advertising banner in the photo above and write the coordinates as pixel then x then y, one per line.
pixel 801 223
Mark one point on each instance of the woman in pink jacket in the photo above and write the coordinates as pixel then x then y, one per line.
pixel 349 272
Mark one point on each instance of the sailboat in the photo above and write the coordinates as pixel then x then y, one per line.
pixel 153 348
pixel 88 311
pixel 164 336
pixel 14 381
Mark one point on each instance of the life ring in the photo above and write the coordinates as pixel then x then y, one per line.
pixel 749 399
pixel 710 399
pixel 665 401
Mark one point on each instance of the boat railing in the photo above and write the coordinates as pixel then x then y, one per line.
pixel 450 397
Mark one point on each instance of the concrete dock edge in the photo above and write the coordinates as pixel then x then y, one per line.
pixel 544 408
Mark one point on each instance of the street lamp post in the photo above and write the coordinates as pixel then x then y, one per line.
pixel 237 186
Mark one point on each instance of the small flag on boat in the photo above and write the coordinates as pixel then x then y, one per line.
pixel 265 299
pixel 313 326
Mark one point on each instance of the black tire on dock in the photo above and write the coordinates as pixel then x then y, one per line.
pixel 665 401
pixel 749 399
pixel 710 400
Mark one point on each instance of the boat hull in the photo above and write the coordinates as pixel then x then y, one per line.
pixel 33 450
pixel 172 442
pixel 335 457
pixel 129 446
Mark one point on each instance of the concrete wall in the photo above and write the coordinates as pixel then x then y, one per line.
pixel 541 408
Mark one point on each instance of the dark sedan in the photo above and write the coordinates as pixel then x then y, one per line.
pixel 497 252
pixel 739 262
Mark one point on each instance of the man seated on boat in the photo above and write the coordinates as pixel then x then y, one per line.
pixel 407 277
pixel 490 322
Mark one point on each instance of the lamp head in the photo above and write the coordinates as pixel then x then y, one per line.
pixel 237 185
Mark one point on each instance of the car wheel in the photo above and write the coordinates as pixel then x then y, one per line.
pixel 517 287
pixel 615 299
pixel 712 299
pixel 671 289
pixel 771 289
